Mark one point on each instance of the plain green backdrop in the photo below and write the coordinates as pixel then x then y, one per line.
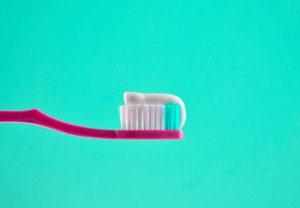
pixel 236 64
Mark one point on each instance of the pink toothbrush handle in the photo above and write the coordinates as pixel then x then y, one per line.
pixel 37 117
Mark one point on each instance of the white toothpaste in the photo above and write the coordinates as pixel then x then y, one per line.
pixel 135 98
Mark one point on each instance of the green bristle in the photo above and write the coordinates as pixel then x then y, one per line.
pixel 172 116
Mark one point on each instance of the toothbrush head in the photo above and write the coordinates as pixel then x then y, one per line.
pixel 150 117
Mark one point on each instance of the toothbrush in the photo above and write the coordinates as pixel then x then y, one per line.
pixel 145 121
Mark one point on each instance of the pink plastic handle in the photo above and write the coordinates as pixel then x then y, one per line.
pixel 38 118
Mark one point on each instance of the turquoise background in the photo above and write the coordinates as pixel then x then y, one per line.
pixel 236 64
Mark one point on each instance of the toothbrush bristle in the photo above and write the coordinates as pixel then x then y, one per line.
pixel 149 117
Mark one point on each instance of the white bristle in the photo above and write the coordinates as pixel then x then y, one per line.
pixel 150 117
pixel 158 118
pixel 161 118
pixel 139 117
pixel 145 117
pixel 142 117
pixel 134 121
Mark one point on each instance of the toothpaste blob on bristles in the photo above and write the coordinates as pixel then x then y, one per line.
pixel 135 98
